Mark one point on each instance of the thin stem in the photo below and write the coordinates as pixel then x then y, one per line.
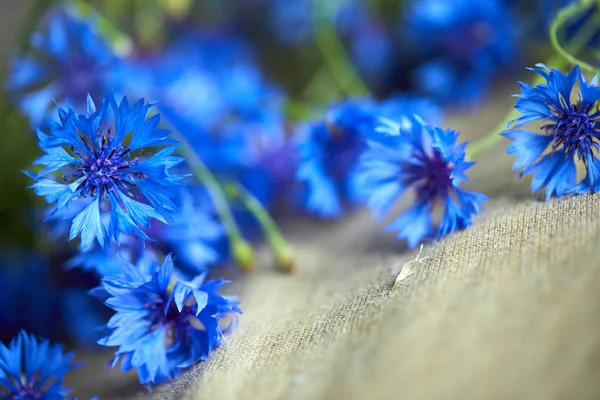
pixel 282 250
pixel 335 54
pixel 240 248
pixel 490 140
pixel 297 110
pixel 564 15
pixel 557 61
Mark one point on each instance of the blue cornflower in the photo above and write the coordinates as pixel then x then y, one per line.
pixel 329 149
pixel 328 152
pixel 163 324
pixel 82 316
pixel 105 260
pixel 229 112
pixel 570 132
pixel 465 29
pixel 28 297
pixel 293 20
pixel 453 83
pixel 429 161
pixel 371 47
pixel 195 247
pixel 33 369
pixel 108 171
pixel 468 39
pixel 68 60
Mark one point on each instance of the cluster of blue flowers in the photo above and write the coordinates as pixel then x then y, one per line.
pixel 156 196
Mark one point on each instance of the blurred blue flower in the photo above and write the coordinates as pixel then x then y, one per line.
pixel 233 118
pixel 105 260
pixel 82 319
pixel 427 160
pixel 27 299
pixel 470 39
pixel 293 20
pixel 466 29
pixel 105 168
pixel 328 152
pixel 33 369
pixel 329 149
pixel 67 60
pixel 163 324
pixel 371 47
pixel 194 232
pixel 570 132
pixel 451 82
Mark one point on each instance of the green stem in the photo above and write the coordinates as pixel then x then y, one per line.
pixel 335 54
pixel 563 16
pixel 240 248
pixel 297 110
pixel 490 140
pixel 557 61
pixel 284 254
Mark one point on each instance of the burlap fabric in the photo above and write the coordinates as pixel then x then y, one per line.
pixel 508 309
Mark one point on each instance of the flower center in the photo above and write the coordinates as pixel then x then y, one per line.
pixel 105 167
pixel 342 149
pixel 80 75
pixel 431 176
pixel 30 391
pixel 176 323
pixel 575 129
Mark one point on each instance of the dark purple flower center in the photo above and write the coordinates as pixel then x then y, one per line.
pixel 176 323
pixel 430 175
pixel 465 43
pixel 80 77
pixel 106 167
pixel 342 149
pixel 30 391
pixel 576 129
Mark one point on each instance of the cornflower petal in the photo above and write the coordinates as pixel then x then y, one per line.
pixel 570 132
pixel 114 178
pixel 330 149
pixel 427 160
pixel 163 323
pixel 32 368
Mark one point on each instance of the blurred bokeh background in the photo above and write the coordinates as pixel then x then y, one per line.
pixel 240 79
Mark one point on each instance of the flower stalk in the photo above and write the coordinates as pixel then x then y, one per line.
pixel 335 55
pixel 563 16
pixel 284 255
pixel 241 250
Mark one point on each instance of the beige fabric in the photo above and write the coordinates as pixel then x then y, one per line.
pixel 508 309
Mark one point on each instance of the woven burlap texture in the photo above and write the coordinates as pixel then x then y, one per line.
pixel 506 309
